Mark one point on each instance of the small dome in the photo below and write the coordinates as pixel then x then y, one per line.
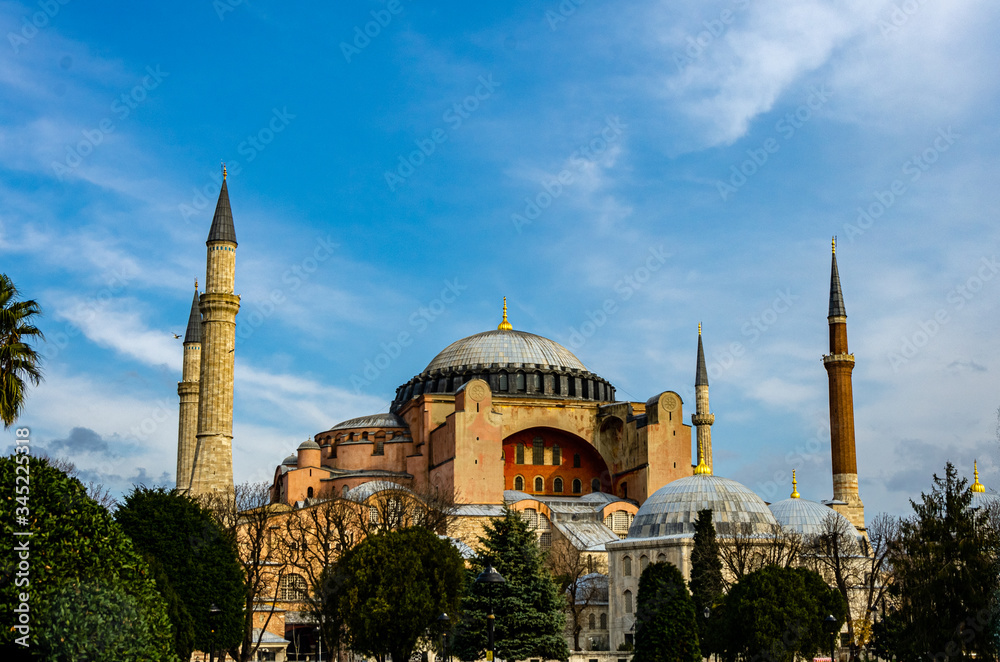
pixel 511 347
pixel 308 445
pixel 673 508
pixel 384 420
pixel 805 517
pixel 291 459
pixel 361 493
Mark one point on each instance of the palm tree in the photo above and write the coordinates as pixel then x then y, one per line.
pixel 18 360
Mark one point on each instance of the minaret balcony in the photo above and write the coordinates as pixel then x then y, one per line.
pixel 838 358
pixel 702 419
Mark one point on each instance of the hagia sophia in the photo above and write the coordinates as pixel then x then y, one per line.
pixel 507 417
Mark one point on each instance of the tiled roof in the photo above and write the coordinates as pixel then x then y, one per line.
pixel 804 516
pixel 384 420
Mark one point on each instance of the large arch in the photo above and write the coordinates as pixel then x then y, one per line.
pixel 577 460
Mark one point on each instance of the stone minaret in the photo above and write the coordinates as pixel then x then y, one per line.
pixel 187 389
pixel 701 419
pixel 213 460
pixel 839 365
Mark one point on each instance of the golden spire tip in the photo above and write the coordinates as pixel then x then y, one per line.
pixel 223 171
pixel 976 486
pixel 196 283
pixel 834 244
pixel 504 324
pixel 699 328
pixel 795 486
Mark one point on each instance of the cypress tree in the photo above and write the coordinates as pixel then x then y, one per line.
pixel 706 581
pixel 665 628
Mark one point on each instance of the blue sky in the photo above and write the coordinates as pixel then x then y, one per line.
pixel 676 162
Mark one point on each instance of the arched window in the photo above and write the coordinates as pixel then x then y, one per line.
pixel 537 451
pixel 595 485
pixel 292 588
pixel 531 517
pixel 364 436
pixel 379 448
pixel 309 493
pixel 576 460
pixel 643 562
pixel 343 491
pixel 662 558
pixel 628 602
pixel 556 455
pixel 557 486
pixel 593 622
pixel 539 484
pixel 604 621
pixel 623 490
pixel 577 486
pixel 503 384
pixel 519 483
pixel 627 566
pixel 372 515
pixel 519 382
pixel 519 454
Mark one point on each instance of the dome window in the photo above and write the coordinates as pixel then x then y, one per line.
pixel 519 382
pixel 503 385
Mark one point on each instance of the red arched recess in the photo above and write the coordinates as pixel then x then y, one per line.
pixel 592 465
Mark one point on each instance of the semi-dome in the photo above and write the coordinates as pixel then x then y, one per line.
pixel 673 509
pixel 512 363
pixel 806 517
pixel 513 348
pixel 383 420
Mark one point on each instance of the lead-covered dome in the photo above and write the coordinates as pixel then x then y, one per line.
pixel 513 348
pixel 805 517
pixel 673 509
pixel 512 363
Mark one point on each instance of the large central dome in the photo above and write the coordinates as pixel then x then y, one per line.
pixel 513 348
pixel 513 363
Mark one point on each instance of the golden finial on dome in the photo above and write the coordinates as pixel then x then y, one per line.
pixel 505 325
pixel 834 243
pixel 976 486
pixel 795 486
pixel 702 469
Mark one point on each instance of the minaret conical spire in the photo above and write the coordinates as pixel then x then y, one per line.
pixel 837 308
pixel 193 333
pixel 222 223
pixel 701 375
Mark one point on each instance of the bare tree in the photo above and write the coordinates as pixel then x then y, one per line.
pixel 95 491
pixel 748 549
pixel 249 518
pixel 582 588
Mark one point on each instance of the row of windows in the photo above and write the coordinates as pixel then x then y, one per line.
pixel 593 622
pixel 363 436
pixel 520 383
pixel 643 562
pixel 538 454
pixel 557 485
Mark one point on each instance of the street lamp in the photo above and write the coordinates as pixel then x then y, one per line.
pixel 830 624
pixel 213 614
pixel 443 623
pixel 490 576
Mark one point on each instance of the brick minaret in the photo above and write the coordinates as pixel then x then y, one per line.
pixel 701 419
pixel 213 461
pixel 187 389
pixel 839 365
